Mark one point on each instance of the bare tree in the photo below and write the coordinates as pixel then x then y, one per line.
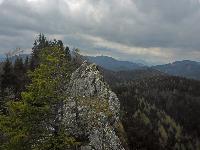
pixel 15 52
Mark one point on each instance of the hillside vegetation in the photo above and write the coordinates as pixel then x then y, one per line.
pixel 154 103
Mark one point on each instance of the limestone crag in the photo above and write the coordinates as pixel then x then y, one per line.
pixel 91 113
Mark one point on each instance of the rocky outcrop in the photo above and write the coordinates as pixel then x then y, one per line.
pixel 91 113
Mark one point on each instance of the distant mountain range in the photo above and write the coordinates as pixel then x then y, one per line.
pixel 2 58
pixel 185 68
pixel 113 64
pixel 13 58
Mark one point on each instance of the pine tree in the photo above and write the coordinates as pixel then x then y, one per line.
pixel 41 43
pixel 67 53
pixel 34 122
pixel 7 82
pixel 38 45
pixel 20 77
pixel 7 77
pixel 26 63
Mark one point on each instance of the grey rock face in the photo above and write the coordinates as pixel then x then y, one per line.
pixel 92 111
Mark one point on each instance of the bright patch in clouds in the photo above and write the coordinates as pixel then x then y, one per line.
pixel 1 1
pixel 74 5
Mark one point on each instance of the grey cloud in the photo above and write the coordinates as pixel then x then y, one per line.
pixel 172 26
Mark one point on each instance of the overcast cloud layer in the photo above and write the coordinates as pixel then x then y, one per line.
pixel 156 31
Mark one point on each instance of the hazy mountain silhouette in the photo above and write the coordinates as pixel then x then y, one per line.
pixel 113 64
pixel 185 68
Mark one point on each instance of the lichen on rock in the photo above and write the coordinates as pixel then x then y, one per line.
pixel 91 112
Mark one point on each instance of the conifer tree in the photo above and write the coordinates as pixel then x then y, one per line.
pixel 7 82
pixel 34 122
pixel 7 77
pixel 26 63
pixel 67 53
pixel 20 77
pixel 39 44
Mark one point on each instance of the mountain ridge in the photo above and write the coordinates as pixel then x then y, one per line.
pixel 185 68
pixel 113 64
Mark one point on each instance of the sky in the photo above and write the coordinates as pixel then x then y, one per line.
pixel 156 31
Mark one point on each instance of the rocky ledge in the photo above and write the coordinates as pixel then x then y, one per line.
pixel 91 113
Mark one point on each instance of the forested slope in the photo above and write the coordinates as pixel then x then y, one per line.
pixel 174 98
